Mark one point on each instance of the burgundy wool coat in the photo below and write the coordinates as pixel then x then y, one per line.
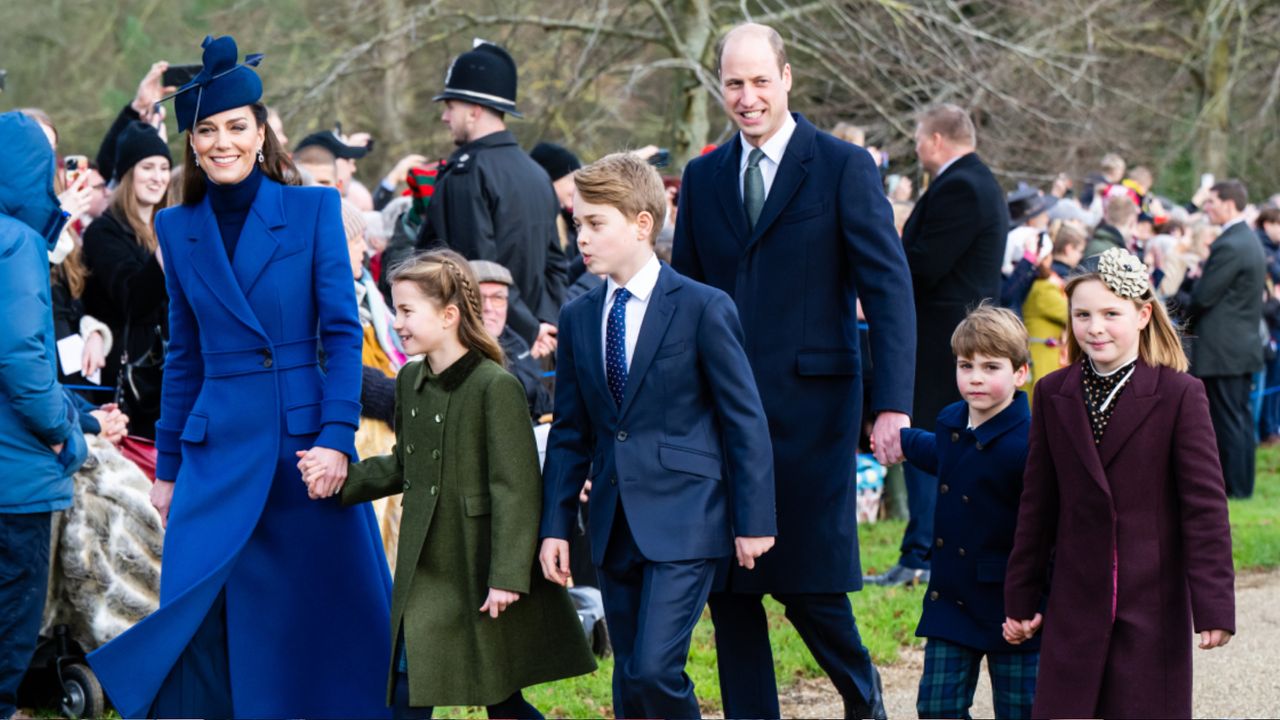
pixel 1143 545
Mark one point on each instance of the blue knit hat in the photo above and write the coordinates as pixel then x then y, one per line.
pixel 221 84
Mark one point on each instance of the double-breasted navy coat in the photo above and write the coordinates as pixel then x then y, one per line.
pixel 979 473
pixel 824 240
pixel 306 582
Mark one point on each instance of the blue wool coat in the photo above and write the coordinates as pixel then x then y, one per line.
pixel 307 587
pixel 979 475
pixel 823 241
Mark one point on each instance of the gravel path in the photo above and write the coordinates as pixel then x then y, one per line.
pixel 1240 680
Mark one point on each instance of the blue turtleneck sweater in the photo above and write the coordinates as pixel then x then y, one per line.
pixel 231 205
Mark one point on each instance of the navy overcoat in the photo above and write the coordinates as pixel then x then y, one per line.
pixel 307 588
pixel 824 240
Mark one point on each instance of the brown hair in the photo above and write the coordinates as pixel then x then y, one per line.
pixel 775 43
pixel 626 182
pixel 850 133
pixel 315 155
pixel 994 332
pixel 1159 344
pixel 1119 210
pixel 950 121
pixel 1067 235
pixel 275 165
pixel 41 117
pixel 124 208
pixel 71 271
pixel 446 278
pixel 1232 190
pixel 1267 215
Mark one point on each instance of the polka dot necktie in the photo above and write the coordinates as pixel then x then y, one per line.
pixel 615 349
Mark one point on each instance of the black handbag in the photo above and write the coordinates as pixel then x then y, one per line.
pixel 138 385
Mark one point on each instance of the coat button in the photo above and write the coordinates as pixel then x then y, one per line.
pixel 622 436
pixel 438 418
pixel 955 437
pixel 961 551
pixel 434 489
pixel 978 445
pixel 944 488
pixel 964 498
pixel 960 603
pixel 266 357
pixel 435 454
pixel 613 480
pixel 406 485
pixel 408 450
pixel 933 595
pixel 413 412
pixel 938 542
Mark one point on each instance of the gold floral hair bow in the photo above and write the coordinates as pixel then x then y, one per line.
pixel 1124 273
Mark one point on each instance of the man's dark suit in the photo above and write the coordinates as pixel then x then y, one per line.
pixel 955 241
pixel 677 471
pixel 1226 348
pixel 823 240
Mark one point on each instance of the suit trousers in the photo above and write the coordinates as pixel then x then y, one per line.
pixel 825 623
pixel 24 580
pixel 922 496
pixel 651 609
pixel 1232 415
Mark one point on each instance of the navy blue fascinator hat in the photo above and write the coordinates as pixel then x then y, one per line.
pixel 221 85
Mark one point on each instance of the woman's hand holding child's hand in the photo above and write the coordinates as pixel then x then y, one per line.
pixel 323 470
pixel 498 601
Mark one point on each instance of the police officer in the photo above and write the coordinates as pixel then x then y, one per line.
pixel 492 201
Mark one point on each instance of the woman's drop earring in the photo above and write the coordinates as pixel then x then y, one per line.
pixel 196 156
pixel 261 159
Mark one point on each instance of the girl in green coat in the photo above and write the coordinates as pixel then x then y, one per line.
pixel 472 621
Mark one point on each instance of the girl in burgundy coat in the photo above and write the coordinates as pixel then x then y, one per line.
pixel 1123 480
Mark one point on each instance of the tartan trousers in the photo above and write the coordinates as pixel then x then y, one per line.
pixel 951 676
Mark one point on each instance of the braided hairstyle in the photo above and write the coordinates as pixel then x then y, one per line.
pixel 446 278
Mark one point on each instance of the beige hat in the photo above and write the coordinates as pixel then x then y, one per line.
pixel 491 272
pixel 352 220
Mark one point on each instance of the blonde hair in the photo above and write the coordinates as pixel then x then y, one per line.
pixel 446 278
pixel 994 332
pixel 627 183
pixel 850 133
pixel 1159 343
pixel 124 207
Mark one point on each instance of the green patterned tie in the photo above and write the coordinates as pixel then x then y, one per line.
pixel 753 187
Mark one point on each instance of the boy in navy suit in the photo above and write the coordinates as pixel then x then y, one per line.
pixel 978 454
pixel 657 405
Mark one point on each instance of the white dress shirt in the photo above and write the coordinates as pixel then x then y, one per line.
pixel 641 288
pixel 947 164
pixel 773 149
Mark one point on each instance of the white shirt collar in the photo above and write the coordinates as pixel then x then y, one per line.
pixel 640 285
pixel 775 146
pixel 948 164
pixel 1226 225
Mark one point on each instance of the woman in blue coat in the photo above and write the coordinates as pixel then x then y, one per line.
pixel 271 605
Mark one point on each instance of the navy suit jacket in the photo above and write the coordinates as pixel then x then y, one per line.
pixel 824 240
pixel 687 454
pixel 979 475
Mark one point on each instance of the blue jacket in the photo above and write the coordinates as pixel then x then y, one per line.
pixel 824 241
pixel 979 475
pixel 35 412
pixel 243 391
pixel 687 453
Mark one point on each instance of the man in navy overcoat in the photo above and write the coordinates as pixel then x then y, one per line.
pixel 793 224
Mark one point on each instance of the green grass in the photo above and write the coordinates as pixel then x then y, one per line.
pixel 1255 523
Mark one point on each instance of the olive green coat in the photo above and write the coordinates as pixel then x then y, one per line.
pixel 467 464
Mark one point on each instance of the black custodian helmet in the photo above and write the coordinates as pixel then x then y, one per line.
pixel 484 75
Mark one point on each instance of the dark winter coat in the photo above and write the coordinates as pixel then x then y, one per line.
pixel 979 475
pixel 955 241
pixel 493 202
pixel 1226 306
pixel 1141 545
pixel 466 462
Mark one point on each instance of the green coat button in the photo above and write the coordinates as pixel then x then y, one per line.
pixel 438 418
pixel 413 412
pixel 433 489
pixel 435 454
pixel 409 449
pixel 406 484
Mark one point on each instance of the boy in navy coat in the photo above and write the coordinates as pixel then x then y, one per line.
pixel 978 453
pixel 657 405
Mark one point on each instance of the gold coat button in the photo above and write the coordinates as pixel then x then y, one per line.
pixel 955 437
pixel 933 595
pixel 938 542
pixel 944 488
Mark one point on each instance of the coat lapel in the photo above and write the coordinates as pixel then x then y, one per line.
pixel 791 174
pixel 727 190
pixel 656 319
pixel 258 241
pixel 1132 407
pixel 209 257
pixel 592 347
pixel 1068 403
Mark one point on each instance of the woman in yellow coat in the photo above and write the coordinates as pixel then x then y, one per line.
pixel 1045 310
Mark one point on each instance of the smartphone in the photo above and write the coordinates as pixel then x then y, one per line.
pixel 179 75
pixel 1206 181
pixel 76 166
